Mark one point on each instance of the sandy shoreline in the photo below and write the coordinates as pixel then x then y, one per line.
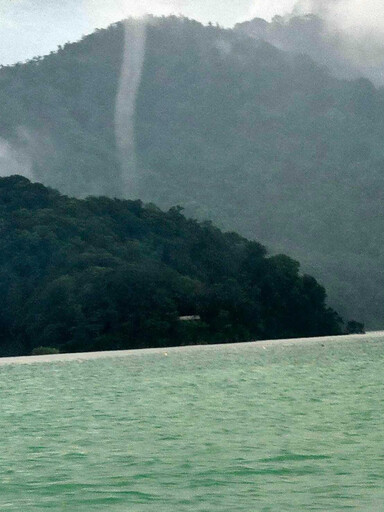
pixel 83 356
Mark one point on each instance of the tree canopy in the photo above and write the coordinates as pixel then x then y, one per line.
pixel 103 273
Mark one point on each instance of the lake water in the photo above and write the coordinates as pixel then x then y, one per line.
pixel 252 428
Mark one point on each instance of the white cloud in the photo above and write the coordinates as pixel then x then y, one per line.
pixel 102 13
pixel 267 9
pixel 349 15
pixel 226 12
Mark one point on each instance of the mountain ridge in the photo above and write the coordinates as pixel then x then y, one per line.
pixel 258 140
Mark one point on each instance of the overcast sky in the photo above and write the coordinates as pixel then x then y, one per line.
pixel 35 27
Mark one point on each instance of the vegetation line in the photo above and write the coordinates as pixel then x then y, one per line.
pixel 108 274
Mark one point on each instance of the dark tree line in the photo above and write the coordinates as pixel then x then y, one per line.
pixel 104 273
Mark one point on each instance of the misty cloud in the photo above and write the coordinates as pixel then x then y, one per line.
pixel 345 35
pixel 356 29
pixel 352 15
pixel 13 160
pixel 27 153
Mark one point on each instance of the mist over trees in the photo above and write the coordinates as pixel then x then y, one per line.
pixel 100 273
pixel 261 141
pixel 347 55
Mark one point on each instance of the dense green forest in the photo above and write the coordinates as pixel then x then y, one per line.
pixel 103 273
pixel 259 141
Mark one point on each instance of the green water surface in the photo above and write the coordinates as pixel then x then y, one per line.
pixel 222 429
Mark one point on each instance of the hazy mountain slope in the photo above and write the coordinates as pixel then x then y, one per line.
pixel 106 274
pixel 233 129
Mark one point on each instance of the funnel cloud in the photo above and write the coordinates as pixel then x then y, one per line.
pixel 132 66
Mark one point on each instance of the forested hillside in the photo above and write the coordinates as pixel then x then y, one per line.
pixel 259 141
pixel 105 273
